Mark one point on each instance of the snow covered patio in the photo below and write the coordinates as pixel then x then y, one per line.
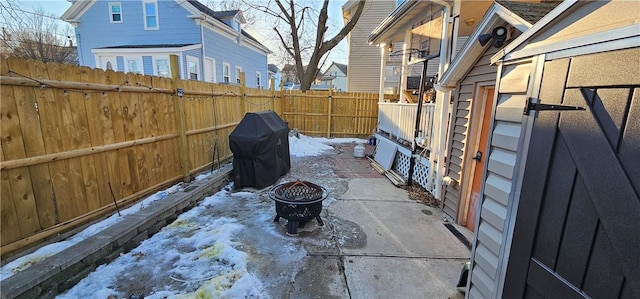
pixel 376 243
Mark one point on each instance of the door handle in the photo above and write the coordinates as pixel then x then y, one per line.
pixel 478 156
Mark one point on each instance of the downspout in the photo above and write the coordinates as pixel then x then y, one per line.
pixel 442 104
pixel 202 58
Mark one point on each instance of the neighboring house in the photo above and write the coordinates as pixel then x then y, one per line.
pixel 139 36
pixel 364 58
pixel 426 35
pixel 558 189
pixel 289 74
pixel 337 75
pixel 274 76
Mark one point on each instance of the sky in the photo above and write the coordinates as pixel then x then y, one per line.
pixel 339 54
pixel 196 256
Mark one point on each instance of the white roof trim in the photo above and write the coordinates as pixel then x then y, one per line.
pixel 550 17
pixel 472 49
pixel 144 50
pixel 631 33
pixel 76 10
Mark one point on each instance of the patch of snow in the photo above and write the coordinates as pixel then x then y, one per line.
pixel 196 254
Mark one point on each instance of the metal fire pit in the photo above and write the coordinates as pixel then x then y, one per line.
pixel 298 202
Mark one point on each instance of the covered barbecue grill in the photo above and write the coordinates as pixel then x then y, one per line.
pixel 260 147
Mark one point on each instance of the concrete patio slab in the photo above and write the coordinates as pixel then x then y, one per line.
pixel 399 229
pixel 373 277
pixel 374 189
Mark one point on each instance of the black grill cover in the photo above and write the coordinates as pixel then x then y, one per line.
pixel 260 147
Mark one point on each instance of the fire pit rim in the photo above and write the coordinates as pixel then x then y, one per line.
pixel 273 196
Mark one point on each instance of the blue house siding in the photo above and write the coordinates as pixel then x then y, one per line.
pixel 177 33
pixel 96 31
pixel 218 47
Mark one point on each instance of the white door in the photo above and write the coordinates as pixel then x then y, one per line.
pixel 209 70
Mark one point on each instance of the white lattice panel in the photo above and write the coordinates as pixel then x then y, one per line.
pixel 421 175
pixel 421 172
pixel 401 164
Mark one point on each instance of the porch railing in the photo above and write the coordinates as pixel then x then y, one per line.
pixel 399 120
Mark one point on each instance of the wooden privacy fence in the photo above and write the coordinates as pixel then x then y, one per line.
pixel 77 141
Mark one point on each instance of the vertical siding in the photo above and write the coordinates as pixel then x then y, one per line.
pixel 507 128
pixel 481 72
pixel 364 59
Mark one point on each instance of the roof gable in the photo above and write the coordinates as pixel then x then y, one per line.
pixel 625 35
pixel 497 14
pixel 339 66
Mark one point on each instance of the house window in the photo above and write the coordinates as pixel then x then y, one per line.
pixel 134 65
pixel 226 70
pixel 193 68
pixel 238 71
pixel 258 80
pixel 150 8
pixel 162 67
pixel 115 12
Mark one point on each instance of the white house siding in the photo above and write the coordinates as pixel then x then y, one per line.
pixel 499 183
pixel 364 59
pixel 481 72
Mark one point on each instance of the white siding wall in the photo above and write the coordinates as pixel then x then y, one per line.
pixel 364 59
pixel 499 184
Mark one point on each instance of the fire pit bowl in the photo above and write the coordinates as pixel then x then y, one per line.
pixel 298 202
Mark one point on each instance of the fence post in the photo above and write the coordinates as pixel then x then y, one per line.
pixel 329 112
pixel 178 105
pixel 243 93
pixel 272 83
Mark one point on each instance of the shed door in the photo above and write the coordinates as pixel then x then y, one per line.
pixel 577 231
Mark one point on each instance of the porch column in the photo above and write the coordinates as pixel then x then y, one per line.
pixel 405 66
pixel 439 142
pixel 383 66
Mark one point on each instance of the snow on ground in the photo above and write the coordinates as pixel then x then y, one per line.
pixel 194 257
pixel 314 146
pixel 44 252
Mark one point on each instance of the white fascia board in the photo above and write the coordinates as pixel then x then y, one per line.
pixel 619 38
pixel 472 49
pixel 139 51
pixel 550 17
pixel 76 10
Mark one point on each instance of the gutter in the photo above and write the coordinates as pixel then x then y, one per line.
pixel 392 19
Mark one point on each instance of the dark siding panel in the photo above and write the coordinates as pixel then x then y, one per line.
pixel 610 107
pixel 579 233
pixel 603 279
pixel 545 282
pixel 629 149
pixel 531 293
pixel 612 68
pixel 555 204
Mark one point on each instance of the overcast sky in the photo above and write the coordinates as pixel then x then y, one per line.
pixel 339 54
